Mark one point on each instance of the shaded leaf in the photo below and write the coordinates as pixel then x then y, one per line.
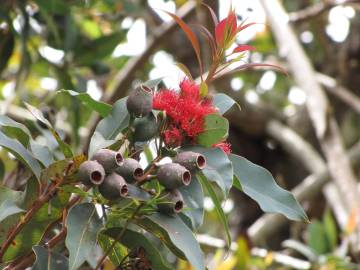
pixel 110 126
pixel 21 154
pixel 100 107
pixel 216 129
pixel 223 219
pixel 193 196
pixel 259 184
pixel 223 102
pixel 173 232
pixel 14 129
pixel 117 253
pixel 8 208
pixel 83 225
pixel 133 239
pixel 65 148
pixel 42 153
pixel 49 260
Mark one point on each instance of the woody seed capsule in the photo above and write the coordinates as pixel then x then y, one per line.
pixel 139 102
pixel 113 187
pixel 91 173
pixel 171 202
pixel 173 175
pixel 190 160
pixel 109 159
pixel 145 128
pixel 131 170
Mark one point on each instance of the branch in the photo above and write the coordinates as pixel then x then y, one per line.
pixel 317 104
pixel 316 9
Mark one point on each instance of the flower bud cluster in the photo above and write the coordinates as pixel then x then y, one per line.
pixel 174 175
pixel 108 170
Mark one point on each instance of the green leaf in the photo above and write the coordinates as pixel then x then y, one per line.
pixel 203 89
pixel 317 238
pixel 216 129
pixel 173 232
pixel 102 108
pixel 185 70
pixel 223 219
pixel 15 130
pixel 21 153
pixel 133 239
pixel 2 170
pixel 330 229
pixel 8 208
pixel 42 153
pixel 259 184
pixel 98 48
pixel 49 260
pixel 83 225
pixel 110 126
pixel 117 253
pixel 193 196
pixel 218 168
pixel 223 103
pixel 65 148
pixel 33 231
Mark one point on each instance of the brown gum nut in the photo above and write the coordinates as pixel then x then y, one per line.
pixel 109 159
pixel 131 170
pixel 91 173
pixel 113 187
pixel 191 160
pixel 171 203
pixel 173 175
pixel 139 102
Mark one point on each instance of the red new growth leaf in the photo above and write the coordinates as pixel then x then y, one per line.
pixel 225 30
pixel 243 48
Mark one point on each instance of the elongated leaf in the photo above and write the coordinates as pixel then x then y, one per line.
pixel 258 183
pixel 110 127
pixel 190 35
pixel 223 103
pixel 14 129
pixel 102 108
pixel 83 226
pixel 117 253
pixel 193 196
pixel 216 129
pixel 21 153
pixel 49 260
pixel 218 167
pixel 243 48
pixel 42 153
pixel 185 70
pixel 176 236
pixel 8 208
pixel 33 231
pixel 223 219
pixel 133 239
pixel 65 148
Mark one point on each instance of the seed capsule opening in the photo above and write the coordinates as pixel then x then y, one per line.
pixel 138 172
pixel 146 89
pixel 96 176
pixel 178 206
pixel 186 177
pixel 201 162
pixel 124 191
pixel 119 159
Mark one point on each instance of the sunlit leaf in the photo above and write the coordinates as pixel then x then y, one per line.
pixel 216 129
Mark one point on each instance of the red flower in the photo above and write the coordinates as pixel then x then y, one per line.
pixel 173 137
pixel 186 110
pixel 226 147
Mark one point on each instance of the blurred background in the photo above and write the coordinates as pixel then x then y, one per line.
pixel 103 47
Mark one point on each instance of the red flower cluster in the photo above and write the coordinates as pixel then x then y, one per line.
pixel 226 147
pixel 186 110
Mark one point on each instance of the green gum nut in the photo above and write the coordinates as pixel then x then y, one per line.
pixel 91 173
pixel 173 175
pixel 139 102
pixel 190 160
pixel 109 159
pixel 171 202
pixel 113 187
pixel 131 170
pixel 145 128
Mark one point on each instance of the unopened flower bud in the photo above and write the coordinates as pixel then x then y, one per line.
pixel 131 170
pixel 139 102
pixel 91 173
pixel 173 175
pixel 113 187
pixel 190 160
pixel 109 159
pixel 171 202
pixel 145 128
